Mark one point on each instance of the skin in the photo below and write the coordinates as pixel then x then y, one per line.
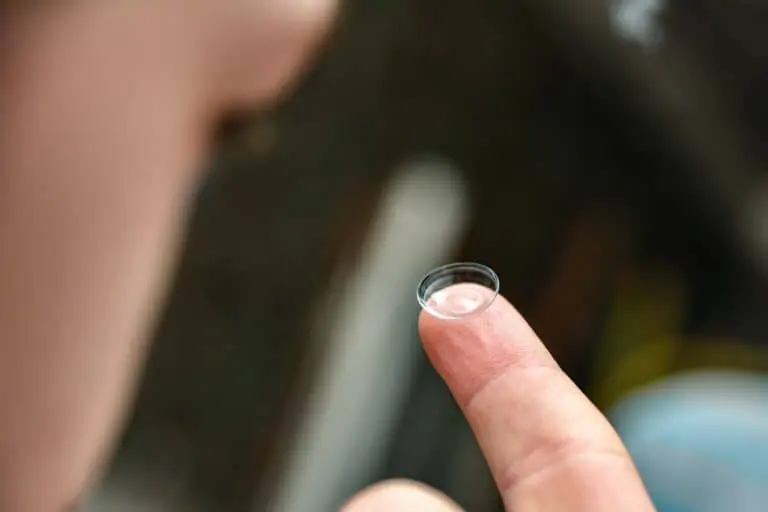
pixel 106 111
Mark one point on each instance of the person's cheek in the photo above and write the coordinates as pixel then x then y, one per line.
pixel 232 53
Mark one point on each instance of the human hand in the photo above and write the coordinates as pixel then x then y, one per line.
pixel 548 447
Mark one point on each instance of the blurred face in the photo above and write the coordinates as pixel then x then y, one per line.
pixel 223 52
pixel 106 107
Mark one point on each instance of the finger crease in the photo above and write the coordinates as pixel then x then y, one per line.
pixel 515 366
pixel 542 463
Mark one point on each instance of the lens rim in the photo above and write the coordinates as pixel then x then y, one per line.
pixel 429 285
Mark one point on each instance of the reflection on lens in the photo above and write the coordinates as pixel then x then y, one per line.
pixel 457 290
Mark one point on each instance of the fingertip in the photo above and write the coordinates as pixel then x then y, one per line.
pixel 400 495
pixel 468 351
pixel 445 316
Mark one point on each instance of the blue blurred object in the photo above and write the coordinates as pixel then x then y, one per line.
pixel 700 441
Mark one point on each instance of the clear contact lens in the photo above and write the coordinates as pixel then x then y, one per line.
pixel 457 290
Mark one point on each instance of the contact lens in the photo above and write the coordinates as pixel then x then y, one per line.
pixel 458 290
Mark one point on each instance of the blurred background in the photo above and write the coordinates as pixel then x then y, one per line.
pixel 604 157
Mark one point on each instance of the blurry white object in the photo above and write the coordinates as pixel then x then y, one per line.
pixel 370 335
pixel 638 21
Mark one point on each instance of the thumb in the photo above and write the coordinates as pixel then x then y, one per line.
pixel 400 496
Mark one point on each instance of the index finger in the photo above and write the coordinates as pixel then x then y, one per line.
pixel 547 445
